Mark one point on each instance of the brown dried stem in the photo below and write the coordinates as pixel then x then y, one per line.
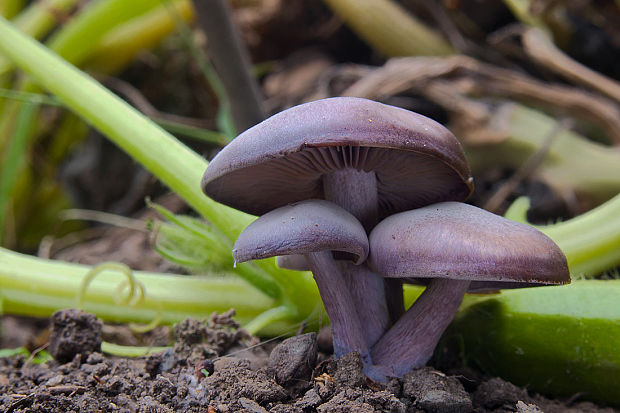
pixel 538 46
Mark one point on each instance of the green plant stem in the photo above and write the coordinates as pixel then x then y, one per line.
pixel 591 241
pixel 36 98
pixel 13 159
pixel 75 41
pixel 9 8
pixel 37 287
pixel 129 351
pixel 122 43
pixel 269 317
pixel 40 17
pixel 389 28
pixel 556 340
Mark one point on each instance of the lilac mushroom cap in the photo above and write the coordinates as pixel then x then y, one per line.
pixel 283 159
pixel 459 241
pixel 302 228
pixel 454 245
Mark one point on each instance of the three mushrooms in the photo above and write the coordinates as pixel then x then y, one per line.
pixel 368 196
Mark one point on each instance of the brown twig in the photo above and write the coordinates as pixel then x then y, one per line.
pixel 402 74
pixel 67 388
pixel 21 402
pixel 231 61
pixel 542 50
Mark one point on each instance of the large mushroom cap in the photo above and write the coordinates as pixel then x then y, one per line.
pixel 459 241
pixel 282 159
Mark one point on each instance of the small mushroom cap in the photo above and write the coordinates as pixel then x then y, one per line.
pixel 459 241
pixel 304 227
pixel 282 160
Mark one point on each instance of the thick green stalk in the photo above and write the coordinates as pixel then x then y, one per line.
pixel 389 28
pixel 591 241
pixel 37 287
pixel 9 8
pixel 121 44
pixel 555 340
pixel 78 36
pixel 40 17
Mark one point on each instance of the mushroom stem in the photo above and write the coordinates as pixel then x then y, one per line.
pixel 368 293
pixel 346 326
pixel 356 191
pixel 410 342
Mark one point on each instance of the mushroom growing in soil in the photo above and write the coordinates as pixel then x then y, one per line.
pixel 315 228
pixel 371 159
pixel 458 247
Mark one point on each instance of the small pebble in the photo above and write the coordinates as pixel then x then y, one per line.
pixel 294 358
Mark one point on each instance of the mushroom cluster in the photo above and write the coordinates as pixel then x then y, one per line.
pixel 368 196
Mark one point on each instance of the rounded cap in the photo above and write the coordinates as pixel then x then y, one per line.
pixel 304 227
pixel 282 160
pixel 459 241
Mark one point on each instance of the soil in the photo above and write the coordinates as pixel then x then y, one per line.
pixel 215 366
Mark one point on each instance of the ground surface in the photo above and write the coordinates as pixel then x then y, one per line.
pixel 243 375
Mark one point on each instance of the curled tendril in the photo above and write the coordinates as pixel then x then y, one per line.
pixel 131 299
pixel 135 296
pixel 138 300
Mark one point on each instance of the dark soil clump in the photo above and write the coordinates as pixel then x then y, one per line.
pixel 215 366
pixel 74 332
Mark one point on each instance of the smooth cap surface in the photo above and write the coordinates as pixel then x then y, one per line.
pixel 459 241
pixel 282 160
pixel 301 228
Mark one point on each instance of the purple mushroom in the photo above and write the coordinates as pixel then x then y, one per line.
pixel 456 246
pixel 371 159
pixel 315 228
